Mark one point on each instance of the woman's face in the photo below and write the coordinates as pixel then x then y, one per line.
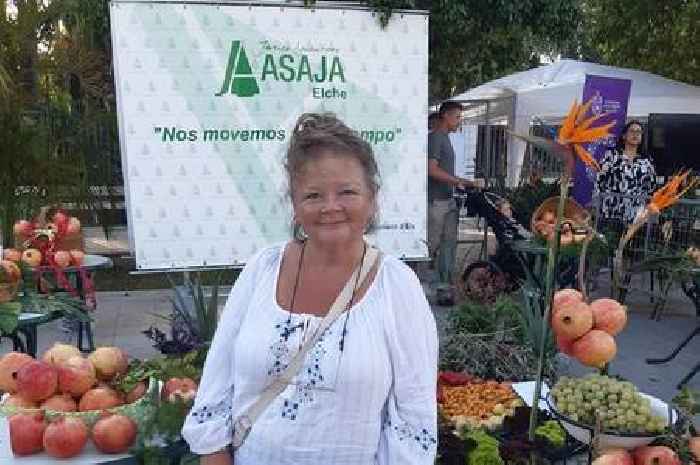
pixel 633 136
pixel 332 199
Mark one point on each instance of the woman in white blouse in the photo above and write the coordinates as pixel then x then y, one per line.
pixel 366 392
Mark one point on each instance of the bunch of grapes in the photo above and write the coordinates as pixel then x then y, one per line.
pixel 617 403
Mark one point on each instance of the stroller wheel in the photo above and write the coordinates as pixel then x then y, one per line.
pixel 479 277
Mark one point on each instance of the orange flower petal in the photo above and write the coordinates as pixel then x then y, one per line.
pixel 586 157
pixel 590 135
pixel 567 126
pixel 583 110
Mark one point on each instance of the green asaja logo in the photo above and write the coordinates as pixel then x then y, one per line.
pixel 241 81
pixel 239 75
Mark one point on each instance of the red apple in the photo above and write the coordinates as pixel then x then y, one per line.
pixel 23 228
pixel 27 433
pixel 12 255
pixel 109 362
pixel 77 257
pixel 76 376
pixel 73 226
pixel 31 257
pixel 59 353
pixel 114 434
pixel 182 388
pixel 10 363
pixel 65 437
pixel 62 258
pixel 37 381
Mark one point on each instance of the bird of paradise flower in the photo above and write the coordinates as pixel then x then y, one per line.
pixel 575 131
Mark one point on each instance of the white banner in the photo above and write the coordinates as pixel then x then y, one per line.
pixel 207 97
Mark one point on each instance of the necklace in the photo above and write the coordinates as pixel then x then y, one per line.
pixel 305 325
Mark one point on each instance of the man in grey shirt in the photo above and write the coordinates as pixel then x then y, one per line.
pixel 443 217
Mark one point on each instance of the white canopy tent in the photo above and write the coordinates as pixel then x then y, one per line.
pixel 545 93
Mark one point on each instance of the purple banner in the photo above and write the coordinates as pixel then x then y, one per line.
pixel 611 96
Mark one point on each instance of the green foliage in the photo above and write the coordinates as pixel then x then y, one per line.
pixel 474 318
pixel 9 312
pixel 482 449
pixel 531 318
pixel 552 432
pixel 474 41
pixel 660 37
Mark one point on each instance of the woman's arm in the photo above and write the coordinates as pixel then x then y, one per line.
pixel 409 429
pixel 217 458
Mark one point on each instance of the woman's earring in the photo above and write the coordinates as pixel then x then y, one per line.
pixel 299 233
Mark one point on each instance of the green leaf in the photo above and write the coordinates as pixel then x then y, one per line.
pixel 9 314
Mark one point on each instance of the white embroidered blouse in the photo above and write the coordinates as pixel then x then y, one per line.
pixel 370 402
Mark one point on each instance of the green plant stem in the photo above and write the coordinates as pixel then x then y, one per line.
pixel 552 259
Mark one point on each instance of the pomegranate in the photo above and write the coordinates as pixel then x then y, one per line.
pixel 565 346
pixel 76 376
pixel 12 255
pixel 573 321
pixel 77 257
pixel 31 257
pixel 65 437
pixel 60 403
pixel 609 316
pixel 62 258
pixel 179 388
pixel 23 228
pixel 114 434
pixel 59 353
pixel 100 398
pixel 564 298
pixel 136 393
pixel 27 434
pixel 19 401
pixel 614 457
pixel 694 446
pixel 595 349
pixel 73 226
pixel 655 455
pixel 9 364
pixel 53 227
pixel 109 362
pixel 37 381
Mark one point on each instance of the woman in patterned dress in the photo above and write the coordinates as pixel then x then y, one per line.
pixel 366 392
pixel 627 178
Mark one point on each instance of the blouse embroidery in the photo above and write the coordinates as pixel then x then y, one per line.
pixel 310 378
pixel 221 409
pixel 422 436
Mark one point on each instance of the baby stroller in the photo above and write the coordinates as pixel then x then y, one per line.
pixel 503 266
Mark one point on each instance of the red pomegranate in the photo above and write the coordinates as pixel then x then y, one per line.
pixel 37 381
pixel 27 433
pixel 114 434
pixel 609 316
pixel 572 321
pixel 595 349
pixel 65 437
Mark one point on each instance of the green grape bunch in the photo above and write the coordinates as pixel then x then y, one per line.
pixel 618 404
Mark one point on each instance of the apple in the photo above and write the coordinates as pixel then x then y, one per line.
pixel 77 257
pixel 12 255
pixel 31 257
pixel 23 228
pixel 73 226
pixel 62 258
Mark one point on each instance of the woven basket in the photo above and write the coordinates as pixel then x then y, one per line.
pixel 140 411
pixel 574 213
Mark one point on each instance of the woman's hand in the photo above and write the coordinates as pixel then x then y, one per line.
pixel 217 458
